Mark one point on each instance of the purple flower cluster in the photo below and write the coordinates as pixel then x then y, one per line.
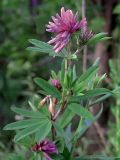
pixel 64 26
pixel 47 147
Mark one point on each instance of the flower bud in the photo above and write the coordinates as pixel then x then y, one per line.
pixel 85 37
pixel 42 102
pixel 51 107
pixel 56 83
pixel 54 100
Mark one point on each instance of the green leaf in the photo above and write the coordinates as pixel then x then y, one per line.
pixel 68 133
pixel 66 117
pixel 44 110
pixel 104 39
pixel 26 142
pixel 62 71
pixel 101 99
pixel 44 48
pixel 74 73
pixel 96 92
pixel 90 94
pixel 98 37
pixel 34 102
pixel 96 157
pixel 54 76
pixel 36 49
pixel 60 144
pixel 79 110
pixel 28 113
pixel 15 156
pixel 57 157
pixel 48 88
pixel 88 75
pixel 23 124
pixel 78 88
pixel 59 129
pixel 117 9
pixel 82 127
pixel 25 132
pixel 43 131
pixel 32 106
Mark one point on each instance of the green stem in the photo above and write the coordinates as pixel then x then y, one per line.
pixel 66 63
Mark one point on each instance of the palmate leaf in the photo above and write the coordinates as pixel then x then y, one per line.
pixel 43 131
pixel 23 124
pixel 34 102
pixel 66 117
pixel 43 47
pixel 37 122
pixel 79 110
pixel 48 88
pixel 27 113
pixel 59 129
pixel 26 132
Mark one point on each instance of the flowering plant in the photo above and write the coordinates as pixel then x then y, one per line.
pixel 47 127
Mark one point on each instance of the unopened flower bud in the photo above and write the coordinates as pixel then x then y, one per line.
pixel 51 107
pixel 86 36
pixel 42 102
pixel 56 83
pixel 54 100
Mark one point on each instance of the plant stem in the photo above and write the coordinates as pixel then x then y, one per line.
pixel 85 47
pixel 66 63
pixel 60 110
pixel 53 133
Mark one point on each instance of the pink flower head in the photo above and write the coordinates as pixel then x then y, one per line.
pixel 64 26
pixel 47 147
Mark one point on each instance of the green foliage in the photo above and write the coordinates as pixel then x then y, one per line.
pixel 49 89
pixel 79 110
pixel 37 123
pixel 45 48
pixel 84 125
pixel 117 9
pixel 114 129
pixel 77 93
pixel 99 38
